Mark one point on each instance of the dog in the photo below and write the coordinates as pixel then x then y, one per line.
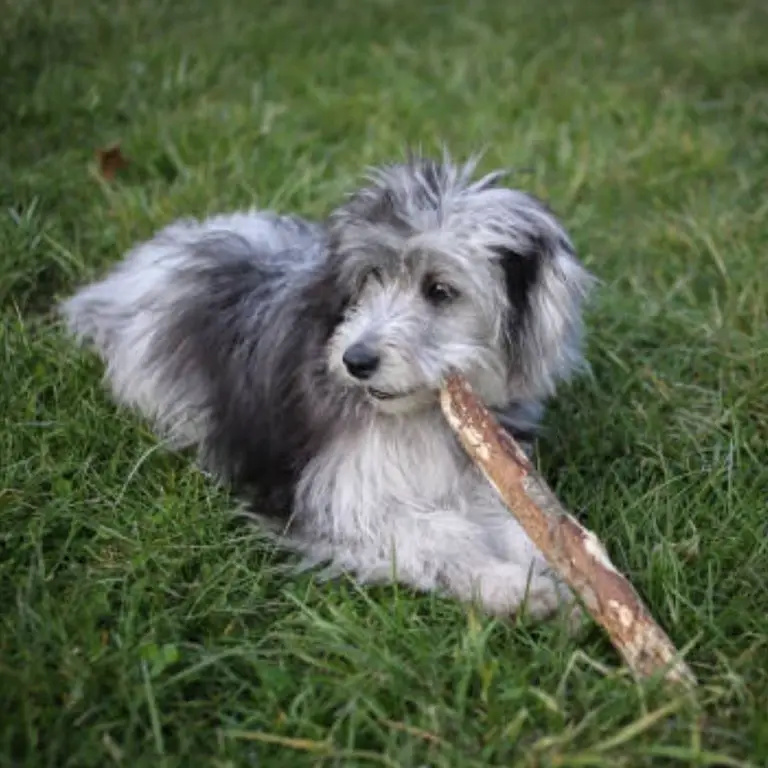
pixel 302 361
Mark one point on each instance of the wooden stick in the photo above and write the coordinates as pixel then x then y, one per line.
pixel 572 550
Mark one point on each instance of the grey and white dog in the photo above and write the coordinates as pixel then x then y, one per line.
pixel 302 360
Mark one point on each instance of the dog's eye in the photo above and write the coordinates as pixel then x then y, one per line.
pixel 438 292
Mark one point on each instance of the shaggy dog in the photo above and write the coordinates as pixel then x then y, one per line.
pixel 302 361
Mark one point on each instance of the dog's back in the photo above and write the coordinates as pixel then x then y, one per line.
pixel 203 325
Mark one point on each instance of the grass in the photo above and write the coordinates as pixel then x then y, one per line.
pixel 142 625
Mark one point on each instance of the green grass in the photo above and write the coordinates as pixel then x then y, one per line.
pixel 142 625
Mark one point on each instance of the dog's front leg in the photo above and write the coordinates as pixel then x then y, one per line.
pixel 509 589
pixel 487 560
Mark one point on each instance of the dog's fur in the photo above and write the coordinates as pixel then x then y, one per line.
pixel 230 335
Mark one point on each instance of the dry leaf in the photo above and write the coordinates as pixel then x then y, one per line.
pixel 111 160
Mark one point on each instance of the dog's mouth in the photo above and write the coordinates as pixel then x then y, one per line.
pixel 378 394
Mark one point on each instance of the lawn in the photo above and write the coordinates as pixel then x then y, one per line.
pixel 142 624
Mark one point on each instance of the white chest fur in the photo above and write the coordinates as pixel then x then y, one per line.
pixel 402 489
pixel 393 466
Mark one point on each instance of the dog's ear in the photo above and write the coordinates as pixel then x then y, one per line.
pixel 522 270
pixel 328 297
pixel 546 286
pixel 533 251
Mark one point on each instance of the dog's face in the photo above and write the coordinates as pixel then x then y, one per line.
pixel 444 274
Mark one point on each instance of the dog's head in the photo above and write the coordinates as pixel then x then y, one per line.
pixel 445 273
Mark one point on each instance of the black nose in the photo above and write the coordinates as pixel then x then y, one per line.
pixel 361 361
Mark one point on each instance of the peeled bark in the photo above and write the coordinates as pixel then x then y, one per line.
pixel 574 552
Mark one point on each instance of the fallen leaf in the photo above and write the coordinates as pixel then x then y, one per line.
pixel 111 160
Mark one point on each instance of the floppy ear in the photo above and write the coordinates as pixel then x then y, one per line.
pixel 521 270
pixel 328 295
pixel 549 330
pixel 546 287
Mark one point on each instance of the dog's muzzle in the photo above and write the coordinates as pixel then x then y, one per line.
pixel 362 362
